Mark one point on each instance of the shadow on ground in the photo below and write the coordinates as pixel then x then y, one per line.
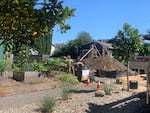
pixel 132 104
pixel 83 91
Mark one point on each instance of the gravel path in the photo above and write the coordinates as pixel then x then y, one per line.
pixel 82 100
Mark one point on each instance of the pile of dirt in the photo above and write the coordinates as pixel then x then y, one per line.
pixel 105 63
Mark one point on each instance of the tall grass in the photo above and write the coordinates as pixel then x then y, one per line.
pixel 65 93
pixel 107 89
pixel 48 105
pixel 68 79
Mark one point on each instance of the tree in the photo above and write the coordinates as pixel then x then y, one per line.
pixel 21 21
pixel 43 44
pixel 82 38
pixel 145 49
pixel 73 45
pixel 127 44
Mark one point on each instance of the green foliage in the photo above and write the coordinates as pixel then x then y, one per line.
pixel 43 43
pixel 48 105
pixel 72 46
pixel 39 66
pixel 107 89
pixel 42 68
pixel 58 64
pixel 23 56
pixel 2 66
pixel 65 93
pixel 82 38
pixel 21 22
pixel 145 49
pixel 17 68
pixel 29 67
pixel 25 67
pixel 68 79
pixel 127 43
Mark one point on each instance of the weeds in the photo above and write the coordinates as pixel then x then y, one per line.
pixel 69 79
pixel 107 89
pixel 48 105
pixel 65 93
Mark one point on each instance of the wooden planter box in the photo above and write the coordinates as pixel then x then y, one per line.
pixel 27 76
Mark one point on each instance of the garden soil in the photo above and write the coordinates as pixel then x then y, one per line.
pixel 105 63
pixel 12 87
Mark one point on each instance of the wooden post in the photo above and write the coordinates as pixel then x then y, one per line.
pixel 128 69
pixel 128 76
pixel 148 84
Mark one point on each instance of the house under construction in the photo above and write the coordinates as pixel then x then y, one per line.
pixel 95 49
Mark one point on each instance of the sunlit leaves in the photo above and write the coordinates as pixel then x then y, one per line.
pixel 145 49
pixel 127 43
pixel 22 23
pixel 19 20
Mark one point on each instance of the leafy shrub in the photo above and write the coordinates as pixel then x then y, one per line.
pixel 38 66
pixel 28 67
pixel 69 79
pixel 58 64
pixel 42 68
pixel 107 89
pixel 25 67
pixel 48 104
pixel 16 68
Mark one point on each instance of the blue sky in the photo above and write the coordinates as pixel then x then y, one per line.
pixel 103 18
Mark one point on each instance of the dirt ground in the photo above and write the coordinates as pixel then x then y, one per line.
pixel 12 87
pixel 83 99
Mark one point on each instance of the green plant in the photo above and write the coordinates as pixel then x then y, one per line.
pixel 23 56
pixel 58 64
pixel 42 68
pixel 2 66
pixel 107 89
pixel 28 67
pixel 25 67
pixel 65 92
pixel 16 68
pixel 48 104
pixel 69 79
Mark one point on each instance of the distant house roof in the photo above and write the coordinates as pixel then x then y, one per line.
pixel 145 37
pixel 103 48
pixel 105 44
pixel 97 43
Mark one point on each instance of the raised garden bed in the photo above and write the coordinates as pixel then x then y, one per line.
pixel 27 76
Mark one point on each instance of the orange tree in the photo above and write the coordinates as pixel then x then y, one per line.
pixel 22 21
